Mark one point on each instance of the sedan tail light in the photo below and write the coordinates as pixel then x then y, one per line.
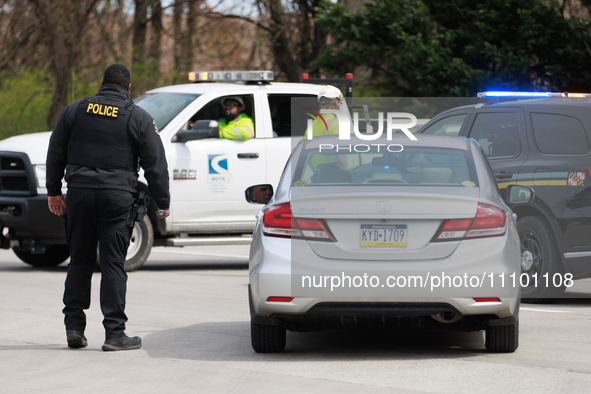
pixel 278 222
pixel 489 222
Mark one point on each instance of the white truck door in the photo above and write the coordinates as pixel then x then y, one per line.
pixel 211 175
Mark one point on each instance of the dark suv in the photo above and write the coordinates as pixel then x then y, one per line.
pixel 544 144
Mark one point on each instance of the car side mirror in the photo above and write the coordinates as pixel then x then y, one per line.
pixel 202 129
pixel 518 194
pixel 259 194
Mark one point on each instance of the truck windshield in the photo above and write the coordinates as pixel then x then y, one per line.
pixel 164 106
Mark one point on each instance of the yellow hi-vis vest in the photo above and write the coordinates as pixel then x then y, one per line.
pixel 240 128
pixel 318 128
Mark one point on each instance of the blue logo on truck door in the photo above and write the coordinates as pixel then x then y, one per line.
pixel 218 169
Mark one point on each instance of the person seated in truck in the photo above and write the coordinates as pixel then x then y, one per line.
pixel 235 124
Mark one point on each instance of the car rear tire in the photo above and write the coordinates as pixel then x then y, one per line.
pixel 502 339
pixel 267 339
pixel 53 256
pixel 140 245
pixel 540 261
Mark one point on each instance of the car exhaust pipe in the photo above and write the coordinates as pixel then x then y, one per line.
pixel 447 317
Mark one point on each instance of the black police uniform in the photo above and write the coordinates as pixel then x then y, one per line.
pixel 100 141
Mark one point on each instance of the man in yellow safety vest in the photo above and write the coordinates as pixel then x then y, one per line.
pixel 235 125
pixel 327 99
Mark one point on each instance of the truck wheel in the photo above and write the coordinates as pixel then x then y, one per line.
pixel 502 339
pixel 540 261
pixel 53 256
pixel 140 244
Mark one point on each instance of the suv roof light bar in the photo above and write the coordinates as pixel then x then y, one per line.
pixel 230 76
pixel 533 94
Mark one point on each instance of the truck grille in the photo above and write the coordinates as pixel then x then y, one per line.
pixel 12 163
pixel 15 183
pixel 17 177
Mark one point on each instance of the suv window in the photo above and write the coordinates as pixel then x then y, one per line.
pixel 559 134
pixel 498 134
pixel 446 126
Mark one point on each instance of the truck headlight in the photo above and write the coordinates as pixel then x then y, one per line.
pixel 40 175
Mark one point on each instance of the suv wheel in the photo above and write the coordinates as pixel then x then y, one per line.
pixel 540 261
pixel 53 256
pixel 267 339
pixel 502 339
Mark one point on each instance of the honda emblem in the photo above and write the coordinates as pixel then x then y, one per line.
pixel 383 207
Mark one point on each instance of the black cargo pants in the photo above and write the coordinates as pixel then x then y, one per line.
pixel 94 215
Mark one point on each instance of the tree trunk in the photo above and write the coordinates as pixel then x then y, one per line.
pixel 62 61
pixel 177 20
pixel 140 74
pixel 155 40
pixel 140 29
pixel 280 43
pixel 190 37
pixel 304 33
pixel 157 30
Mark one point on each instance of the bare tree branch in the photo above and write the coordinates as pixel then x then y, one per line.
pixel 218 15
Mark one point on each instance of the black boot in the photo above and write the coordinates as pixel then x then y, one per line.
pixel 122 343
pixel 76 339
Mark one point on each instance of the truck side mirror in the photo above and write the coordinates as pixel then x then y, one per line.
pixel 202 129
pixel 518 194
pixel 259 194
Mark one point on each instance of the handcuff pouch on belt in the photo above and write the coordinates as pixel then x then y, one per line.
pixel 139 209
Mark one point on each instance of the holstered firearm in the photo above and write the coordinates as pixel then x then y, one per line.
pixel 139 209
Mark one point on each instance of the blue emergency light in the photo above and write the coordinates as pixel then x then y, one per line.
pixel 533 94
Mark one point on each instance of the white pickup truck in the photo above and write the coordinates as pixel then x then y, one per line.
pixel 208 176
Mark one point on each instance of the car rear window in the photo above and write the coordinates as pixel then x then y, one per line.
pixel 412 166
pixel 559 134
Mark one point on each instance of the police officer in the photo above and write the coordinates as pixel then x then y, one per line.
pixel 100 141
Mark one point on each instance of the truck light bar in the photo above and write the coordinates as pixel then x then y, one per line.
pixel 348 81
pixel 203 76
pixel 533 94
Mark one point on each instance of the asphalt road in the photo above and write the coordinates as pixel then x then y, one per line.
pixel 190 307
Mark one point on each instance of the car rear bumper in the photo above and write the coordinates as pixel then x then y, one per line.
pixel 454 314
pixel 271 275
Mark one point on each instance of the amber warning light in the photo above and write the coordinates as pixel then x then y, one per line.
pixel 230 76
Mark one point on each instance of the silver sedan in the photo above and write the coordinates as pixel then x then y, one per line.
pixel 385 234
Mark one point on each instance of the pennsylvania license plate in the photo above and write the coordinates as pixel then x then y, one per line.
pixel 376 235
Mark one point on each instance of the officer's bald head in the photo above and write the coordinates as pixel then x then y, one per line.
pixel 117 73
